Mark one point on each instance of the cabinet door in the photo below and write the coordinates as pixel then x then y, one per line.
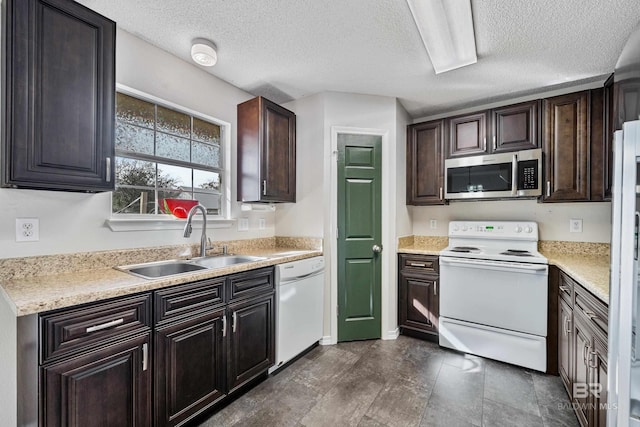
pixel 418 298
pixel 425 163
pixel 580 382
pixel 609 128
pixel 597 146
pixel 566 147
pixel 189 367
pixel 467 134
pixel 278 153
pixel 599 376
pixel 515 127
pixel 565 331
pixel 109 387
pixel 60 86
pixel 252 340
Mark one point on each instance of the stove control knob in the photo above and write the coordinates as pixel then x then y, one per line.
pixel 528 229
pixel 464 228
pixel 518 229
pixel 455 228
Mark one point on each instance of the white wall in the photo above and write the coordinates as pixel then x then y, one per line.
pixel 553 218
pixel 74 222
pixel 306 216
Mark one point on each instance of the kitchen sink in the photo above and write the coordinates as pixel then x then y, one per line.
pixel 154 270
pixel 219 261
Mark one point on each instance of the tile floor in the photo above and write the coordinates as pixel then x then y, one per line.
pixel 403 382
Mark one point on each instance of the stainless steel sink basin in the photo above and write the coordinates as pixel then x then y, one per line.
pixel 154 270
pixel 219 261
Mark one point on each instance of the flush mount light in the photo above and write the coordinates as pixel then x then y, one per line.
pixel 203 52
pixel 446 28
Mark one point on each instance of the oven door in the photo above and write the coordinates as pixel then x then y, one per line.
pixel 507 295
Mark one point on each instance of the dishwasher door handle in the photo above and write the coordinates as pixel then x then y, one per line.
pixel 304 276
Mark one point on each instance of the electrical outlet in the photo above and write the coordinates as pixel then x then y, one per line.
pixel 575 225
pixel 27 229
pixel 262 224
pixel 243 224
pixel 434 224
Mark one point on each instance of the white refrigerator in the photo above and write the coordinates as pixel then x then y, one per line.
pixel 624 343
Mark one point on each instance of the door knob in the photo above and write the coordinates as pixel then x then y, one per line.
pixel 377 249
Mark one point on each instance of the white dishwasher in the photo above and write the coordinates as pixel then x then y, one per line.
pixel 299 309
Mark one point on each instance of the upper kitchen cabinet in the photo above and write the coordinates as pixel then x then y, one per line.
pixel 59 91
pixel 575 147
pixel 468 134
pixel 566 147
pixel 425 161
pixel 609 128
pixel 266 152
pixel 515 127
pixel 509 128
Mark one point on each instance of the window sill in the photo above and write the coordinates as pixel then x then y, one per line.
pixel 155 224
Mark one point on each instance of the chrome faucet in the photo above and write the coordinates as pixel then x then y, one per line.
pixel 188 228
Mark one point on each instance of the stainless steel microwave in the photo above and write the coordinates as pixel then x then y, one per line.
pixel 504 175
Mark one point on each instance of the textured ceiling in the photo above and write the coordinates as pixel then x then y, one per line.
pixel 288 49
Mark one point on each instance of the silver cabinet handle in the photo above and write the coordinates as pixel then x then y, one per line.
pixel 105 325
pixel 593 357
pixel 145 356
pixel 564 289
pixel 417 264
pixel 108 161
pixel 584 353
pixel 484 142
pixel 234 321
pixel 435 289
pixel 548 188
pixel 264 187
pixel 514 175
pixel 377 249
pixel 441 193
pixel 495 145
pixel 566 326
pixel 591 315
pixel 224 325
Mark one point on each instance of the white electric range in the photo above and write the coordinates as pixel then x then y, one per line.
pixel 493 292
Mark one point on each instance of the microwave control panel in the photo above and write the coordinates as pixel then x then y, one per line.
pixel 528 175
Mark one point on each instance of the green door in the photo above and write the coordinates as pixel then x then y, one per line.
pixel 359 236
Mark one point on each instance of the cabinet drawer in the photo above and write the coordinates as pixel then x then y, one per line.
pixel 187 299
pixel 592 309
pixel 251 283
pixel 419 263
pixel 76 329
pixel 565 288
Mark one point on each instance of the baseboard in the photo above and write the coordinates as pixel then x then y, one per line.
pixel 392 335
pixel 327 340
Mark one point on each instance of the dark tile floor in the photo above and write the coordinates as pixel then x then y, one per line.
pixel 403 382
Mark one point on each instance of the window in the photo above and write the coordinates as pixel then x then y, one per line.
pixel 163 152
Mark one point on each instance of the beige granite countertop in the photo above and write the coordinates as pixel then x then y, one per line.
pixel 586 263
pixel 35 294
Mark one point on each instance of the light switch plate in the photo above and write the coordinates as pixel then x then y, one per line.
pixel 262 224
pixel 243 224
pixel 575 225
pixel 434 224
pixel 27 229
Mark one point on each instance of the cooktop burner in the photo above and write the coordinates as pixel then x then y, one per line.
pixel 464 249
pixel 516 252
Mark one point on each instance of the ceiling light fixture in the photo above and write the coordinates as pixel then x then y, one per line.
pixel 446 28
pixel 203 52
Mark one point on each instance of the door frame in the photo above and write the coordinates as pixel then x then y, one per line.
pixel 388 203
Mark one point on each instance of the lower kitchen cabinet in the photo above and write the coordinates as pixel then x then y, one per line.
pixel 189 361
pixel 109 386
pixel 582 351
pixel 418 302
pixel 252 339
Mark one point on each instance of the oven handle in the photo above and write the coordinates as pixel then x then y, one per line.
pixel 489 264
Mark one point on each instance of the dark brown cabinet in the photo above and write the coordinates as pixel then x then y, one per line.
pixel 266 152
pixel 566 147
pixel 609 129
pixel 59 86
pixel 96 364
pixel 515 127
pixel 582 350
pixel 418 301
pixel 468 134
pixel 252 339
pixel 425 163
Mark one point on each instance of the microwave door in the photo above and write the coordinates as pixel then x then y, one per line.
pixel 478 181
